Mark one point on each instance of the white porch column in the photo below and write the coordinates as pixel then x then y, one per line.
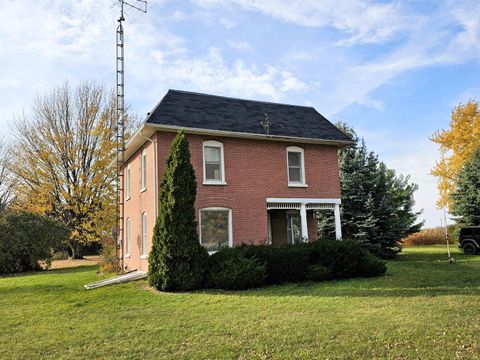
pixel 303 220
pixel 338 225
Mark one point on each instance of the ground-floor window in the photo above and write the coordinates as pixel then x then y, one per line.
pixel 144 234
pixel 127 237
pixel 215 228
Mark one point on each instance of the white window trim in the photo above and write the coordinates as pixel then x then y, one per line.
pixel 212 143
pixel 230 224
pixel 128 234
pixel 301 183
pixel 127 183
pixel 144 240
pixel 143 169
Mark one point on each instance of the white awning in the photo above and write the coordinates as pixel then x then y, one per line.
pixel 296 203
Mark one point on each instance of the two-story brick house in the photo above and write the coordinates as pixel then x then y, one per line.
pixel 262 171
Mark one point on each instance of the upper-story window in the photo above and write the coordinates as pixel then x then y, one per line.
pixel 296 166
pixel 213 163
pixel 127 183
pixel 144 170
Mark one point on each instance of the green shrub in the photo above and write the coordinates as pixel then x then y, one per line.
pixel 177 261
pixel 317 272
pixel 241 267
pixel 231 270
pixel 371 266
pixel 26 239
pixel 284 263
pixel 345 258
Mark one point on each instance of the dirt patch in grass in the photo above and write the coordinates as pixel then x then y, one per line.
pixel 69 263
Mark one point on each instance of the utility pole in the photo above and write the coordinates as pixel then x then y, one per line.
pixel 139 5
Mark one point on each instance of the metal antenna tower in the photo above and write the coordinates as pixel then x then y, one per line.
pixel 140 5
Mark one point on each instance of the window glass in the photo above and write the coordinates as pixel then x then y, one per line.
pixel 213 172
pixel 295 175
pixel 127 240
pixel 214 229
pixel 212 154
pixel 213 163
pixel 144 170
pixel 294 159
pixel 467 231
pixel 294 232
pixel 127 183
pixel 295 167
pixel 144 234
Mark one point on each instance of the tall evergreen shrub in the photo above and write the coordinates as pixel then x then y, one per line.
pixel 177 260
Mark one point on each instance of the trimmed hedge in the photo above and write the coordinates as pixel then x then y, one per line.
pixel 230 269
pixel 248 266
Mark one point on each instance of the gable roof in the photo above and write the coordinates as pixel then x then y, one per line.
pixel 183 109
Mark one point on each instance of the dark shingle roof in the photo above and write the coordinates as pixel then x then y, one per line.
pixel 201 111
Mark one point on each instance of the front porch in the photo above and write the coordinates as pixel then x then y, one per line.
pixel 292 220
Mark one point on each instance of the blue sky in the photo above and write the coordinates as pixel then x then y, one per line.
pixel 393 70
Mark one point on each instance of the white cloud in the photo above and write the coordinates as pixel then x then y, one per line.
pixel 228 23
pixel 363 21
pixel 240 45
pixel 211 73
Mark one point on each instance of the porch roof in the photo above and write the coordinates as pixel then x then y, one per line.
pixel 296 203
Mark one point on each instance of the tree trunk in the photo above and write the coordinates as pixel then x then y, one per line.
pixel 76 249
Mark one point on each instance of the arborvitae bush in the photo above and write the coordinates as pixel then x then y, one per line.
pixel 177 260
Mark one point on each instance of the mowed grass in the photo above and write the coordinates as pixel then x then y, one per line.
pixel 424 308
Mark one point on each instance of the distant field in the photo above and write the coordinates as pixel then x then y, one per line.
pixel 430 236
pixel 424 308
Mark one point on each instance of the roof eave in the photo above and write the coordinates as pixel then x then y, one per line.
pixel 148 129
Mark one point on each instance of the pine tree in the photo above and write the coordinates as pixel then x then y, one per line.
pixel 177 260
pixel 377 205
pixel 466 198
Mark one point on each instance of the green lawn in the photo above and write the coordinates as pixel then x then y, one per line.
pixel 424 308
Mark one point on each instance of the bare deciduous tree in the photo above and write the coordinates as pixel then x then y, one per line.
pixel 6 193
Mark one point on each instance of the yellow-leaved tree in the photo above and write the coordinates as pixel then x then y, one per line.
pixel 457 145
pixel 61 158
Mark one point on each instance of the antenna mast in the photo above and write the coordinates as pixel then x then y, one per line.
pixel 140 5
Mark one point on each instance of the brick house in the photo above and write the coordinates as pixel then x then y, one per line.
pixel 263 170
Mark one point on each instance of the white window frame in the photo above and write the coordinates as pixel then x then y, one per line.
pixel 301 183
pixel 217 144
pixel 230 224
pixel 128 230
pixel 143 166
pixel 127 183
pixel 143 249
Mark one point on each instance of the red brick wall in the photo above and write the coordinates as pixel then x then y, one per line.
pixel 254 171
pixel 139 202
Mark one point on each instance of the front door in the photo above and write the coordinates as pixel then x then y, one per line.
pixel 294 230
